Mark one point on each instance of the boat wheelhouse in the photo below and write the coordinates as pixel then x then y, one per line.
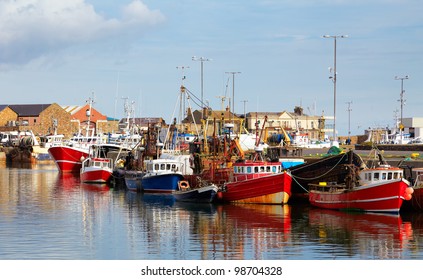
pixel 162 175
pixel 251 170
pixel 380 174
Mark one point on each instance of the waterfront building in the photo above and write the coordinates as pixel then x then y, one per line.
pixel 291 122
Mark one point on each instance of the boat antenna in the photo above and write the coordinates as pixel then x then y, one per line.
pixel 129 109
pixel 182 95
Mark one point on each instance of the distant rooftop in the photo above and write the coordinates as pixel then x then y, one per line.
pixel 25 110
pixel 72 109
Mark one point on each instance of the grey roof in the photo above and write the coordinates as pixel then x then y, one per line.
pixel 24 110
pixel 2 107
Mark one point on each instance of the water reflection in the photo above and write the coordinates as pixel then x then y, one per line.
pixel 95 187
pixel 48 215
pixel 360 235
pixel 253 231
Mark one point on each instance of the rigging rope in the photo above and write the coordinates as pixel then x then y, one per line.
pixel 302 178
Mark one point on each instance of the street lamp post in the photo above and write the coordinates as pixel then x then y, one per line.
pixel 402 102
pixel 349 119
pixel 201 59
pixel 245 117
pixel 244 101
pixel 335 37
pixel 233 89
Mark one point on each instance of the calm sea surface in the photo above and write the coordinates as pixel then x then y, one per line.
pixel 46 215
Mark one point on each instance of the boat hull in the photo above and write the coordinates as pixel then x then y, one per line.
pixel 385 197
pixel 166 183
pixel 99 176
pixel 68 159
pixel 205 194
pixel 272 189
pixel 133 180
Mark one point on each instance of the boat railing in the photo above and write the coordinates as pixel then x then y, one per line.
pixel 327 187
pixel 244 177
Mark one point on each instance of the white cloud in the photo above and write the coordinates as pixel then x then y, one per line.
pixel 31 28
pixel 138 12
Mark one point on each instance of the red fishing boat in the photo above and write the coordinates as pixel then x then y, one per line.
pixel 69 156
pixel 68 159
pixel 96 170
pixel 257 181
pixel 378 189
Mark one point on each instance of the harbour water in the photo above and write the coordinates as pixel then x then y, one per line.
pixel 48 216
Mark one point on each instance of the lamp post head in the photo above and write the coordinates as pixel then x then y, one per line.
pixel 335 36
pixel 195 58
pixel 406 77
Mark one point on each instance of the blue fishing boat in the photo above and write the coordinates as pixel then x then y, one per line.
pixel 133 180
pixel 162 175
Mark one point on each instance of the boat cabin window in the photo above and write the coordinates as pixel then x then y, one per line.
pixel 249 169
pixel 156 167
pixel 384 176
pixel 368 176
pixel 261 169
pixel 256 169
pixel 173 167
pixel 274 169
pixel 389 175
pixel 267 168
pixel 376 176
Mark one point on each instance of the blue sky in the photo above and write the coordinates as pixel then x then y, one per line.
pixel 62 51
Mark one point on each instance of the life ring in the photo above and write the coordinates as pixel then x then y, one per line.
pixel 183 185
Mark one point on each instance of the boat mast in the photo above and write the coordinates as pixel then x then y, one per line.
pixel 128 110
pixel 88 114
